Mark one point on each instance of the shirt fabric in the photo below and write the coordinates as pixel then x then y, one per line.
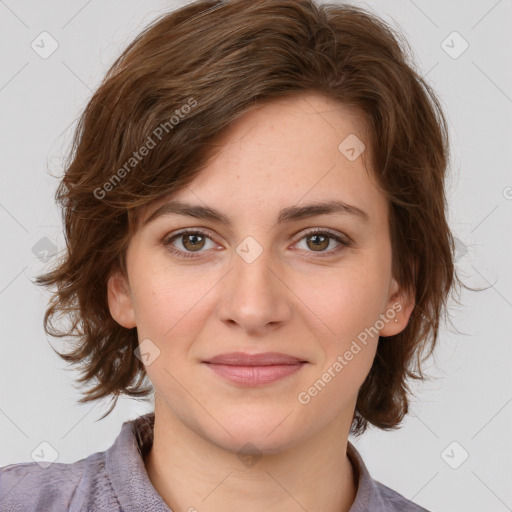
pixel 116 480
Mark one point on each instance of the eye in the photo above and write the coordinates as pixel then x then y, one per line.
pixel 192 241
pixel 320 239
pixel 195 240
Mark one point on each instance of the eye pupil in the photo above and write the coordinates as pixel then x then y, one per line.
pixel 195 238
pixel 319 245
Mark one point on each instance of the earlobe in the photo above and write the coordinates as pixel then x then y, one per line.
pixel 120 300
pixel 398 311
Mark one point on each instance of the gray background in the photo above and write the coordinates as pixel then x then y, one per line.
pixel 468 400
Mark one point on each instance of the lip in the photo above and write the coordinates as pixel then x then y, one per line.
pixel 265 359
pixel 254 369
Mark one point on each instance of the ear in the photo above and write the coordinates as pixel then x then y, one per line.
pixel 398 310
pixel 120 300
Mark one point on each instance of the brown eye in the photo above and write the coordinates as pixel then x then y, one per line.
pixel 190 243
pixel 193 241
pixel 318 241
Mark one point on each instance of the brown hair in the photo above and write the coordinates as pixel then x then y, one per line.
pixel 190 74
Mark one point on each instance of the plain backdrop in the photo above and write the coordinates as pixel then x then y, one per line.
pixel 452 452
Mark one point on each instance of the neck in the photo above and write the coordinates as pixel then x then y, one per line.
pixel 192 473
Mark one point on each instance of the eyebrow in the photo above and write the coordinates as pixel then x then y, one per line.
pixel 289 214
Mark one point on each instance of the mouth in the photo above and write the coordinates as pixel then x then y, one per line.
pixel 249 370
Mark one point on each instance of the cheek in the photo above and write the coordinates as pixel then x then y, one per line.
pixel 347 345
pixel 168 304
pixel 345 300
pixel 343 307
pixel 171 314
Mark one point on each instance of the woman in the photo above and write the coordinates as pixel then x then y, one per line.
pixel 255 220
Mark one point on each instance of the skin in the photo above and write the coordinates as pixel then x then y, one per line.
pixel 290 299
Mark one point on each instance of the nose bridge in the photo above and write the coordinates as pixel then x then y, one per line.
pixel 252 295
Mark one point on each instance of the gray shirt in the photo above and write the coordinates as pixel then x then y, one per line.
pixel 116 480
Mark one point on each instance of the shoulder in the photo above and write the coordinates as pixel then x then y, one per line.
pixel 392 501
pixel 30 487
pixel 374 495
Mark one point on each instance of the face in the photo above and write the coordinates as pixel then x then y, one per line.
pixel 269 275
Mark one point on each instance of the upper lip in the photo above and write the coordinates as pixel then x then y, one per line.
pixel 243 359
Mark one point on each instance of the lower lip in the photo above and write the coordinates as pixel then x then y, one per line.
pixel 255 375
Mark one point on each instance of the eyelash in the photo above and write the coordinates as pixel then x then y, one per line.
pixel 194 231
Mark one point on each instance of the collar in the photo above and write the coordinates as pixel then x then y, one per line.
pixel 130 481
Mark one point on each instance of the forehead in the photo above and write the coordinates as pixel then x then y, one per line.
pixel 287 152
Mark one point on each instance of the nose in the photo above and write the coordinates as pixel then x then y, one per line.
pixel 253 296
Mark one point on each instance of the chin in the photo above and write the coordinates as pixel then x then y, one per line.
pixel 254 437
